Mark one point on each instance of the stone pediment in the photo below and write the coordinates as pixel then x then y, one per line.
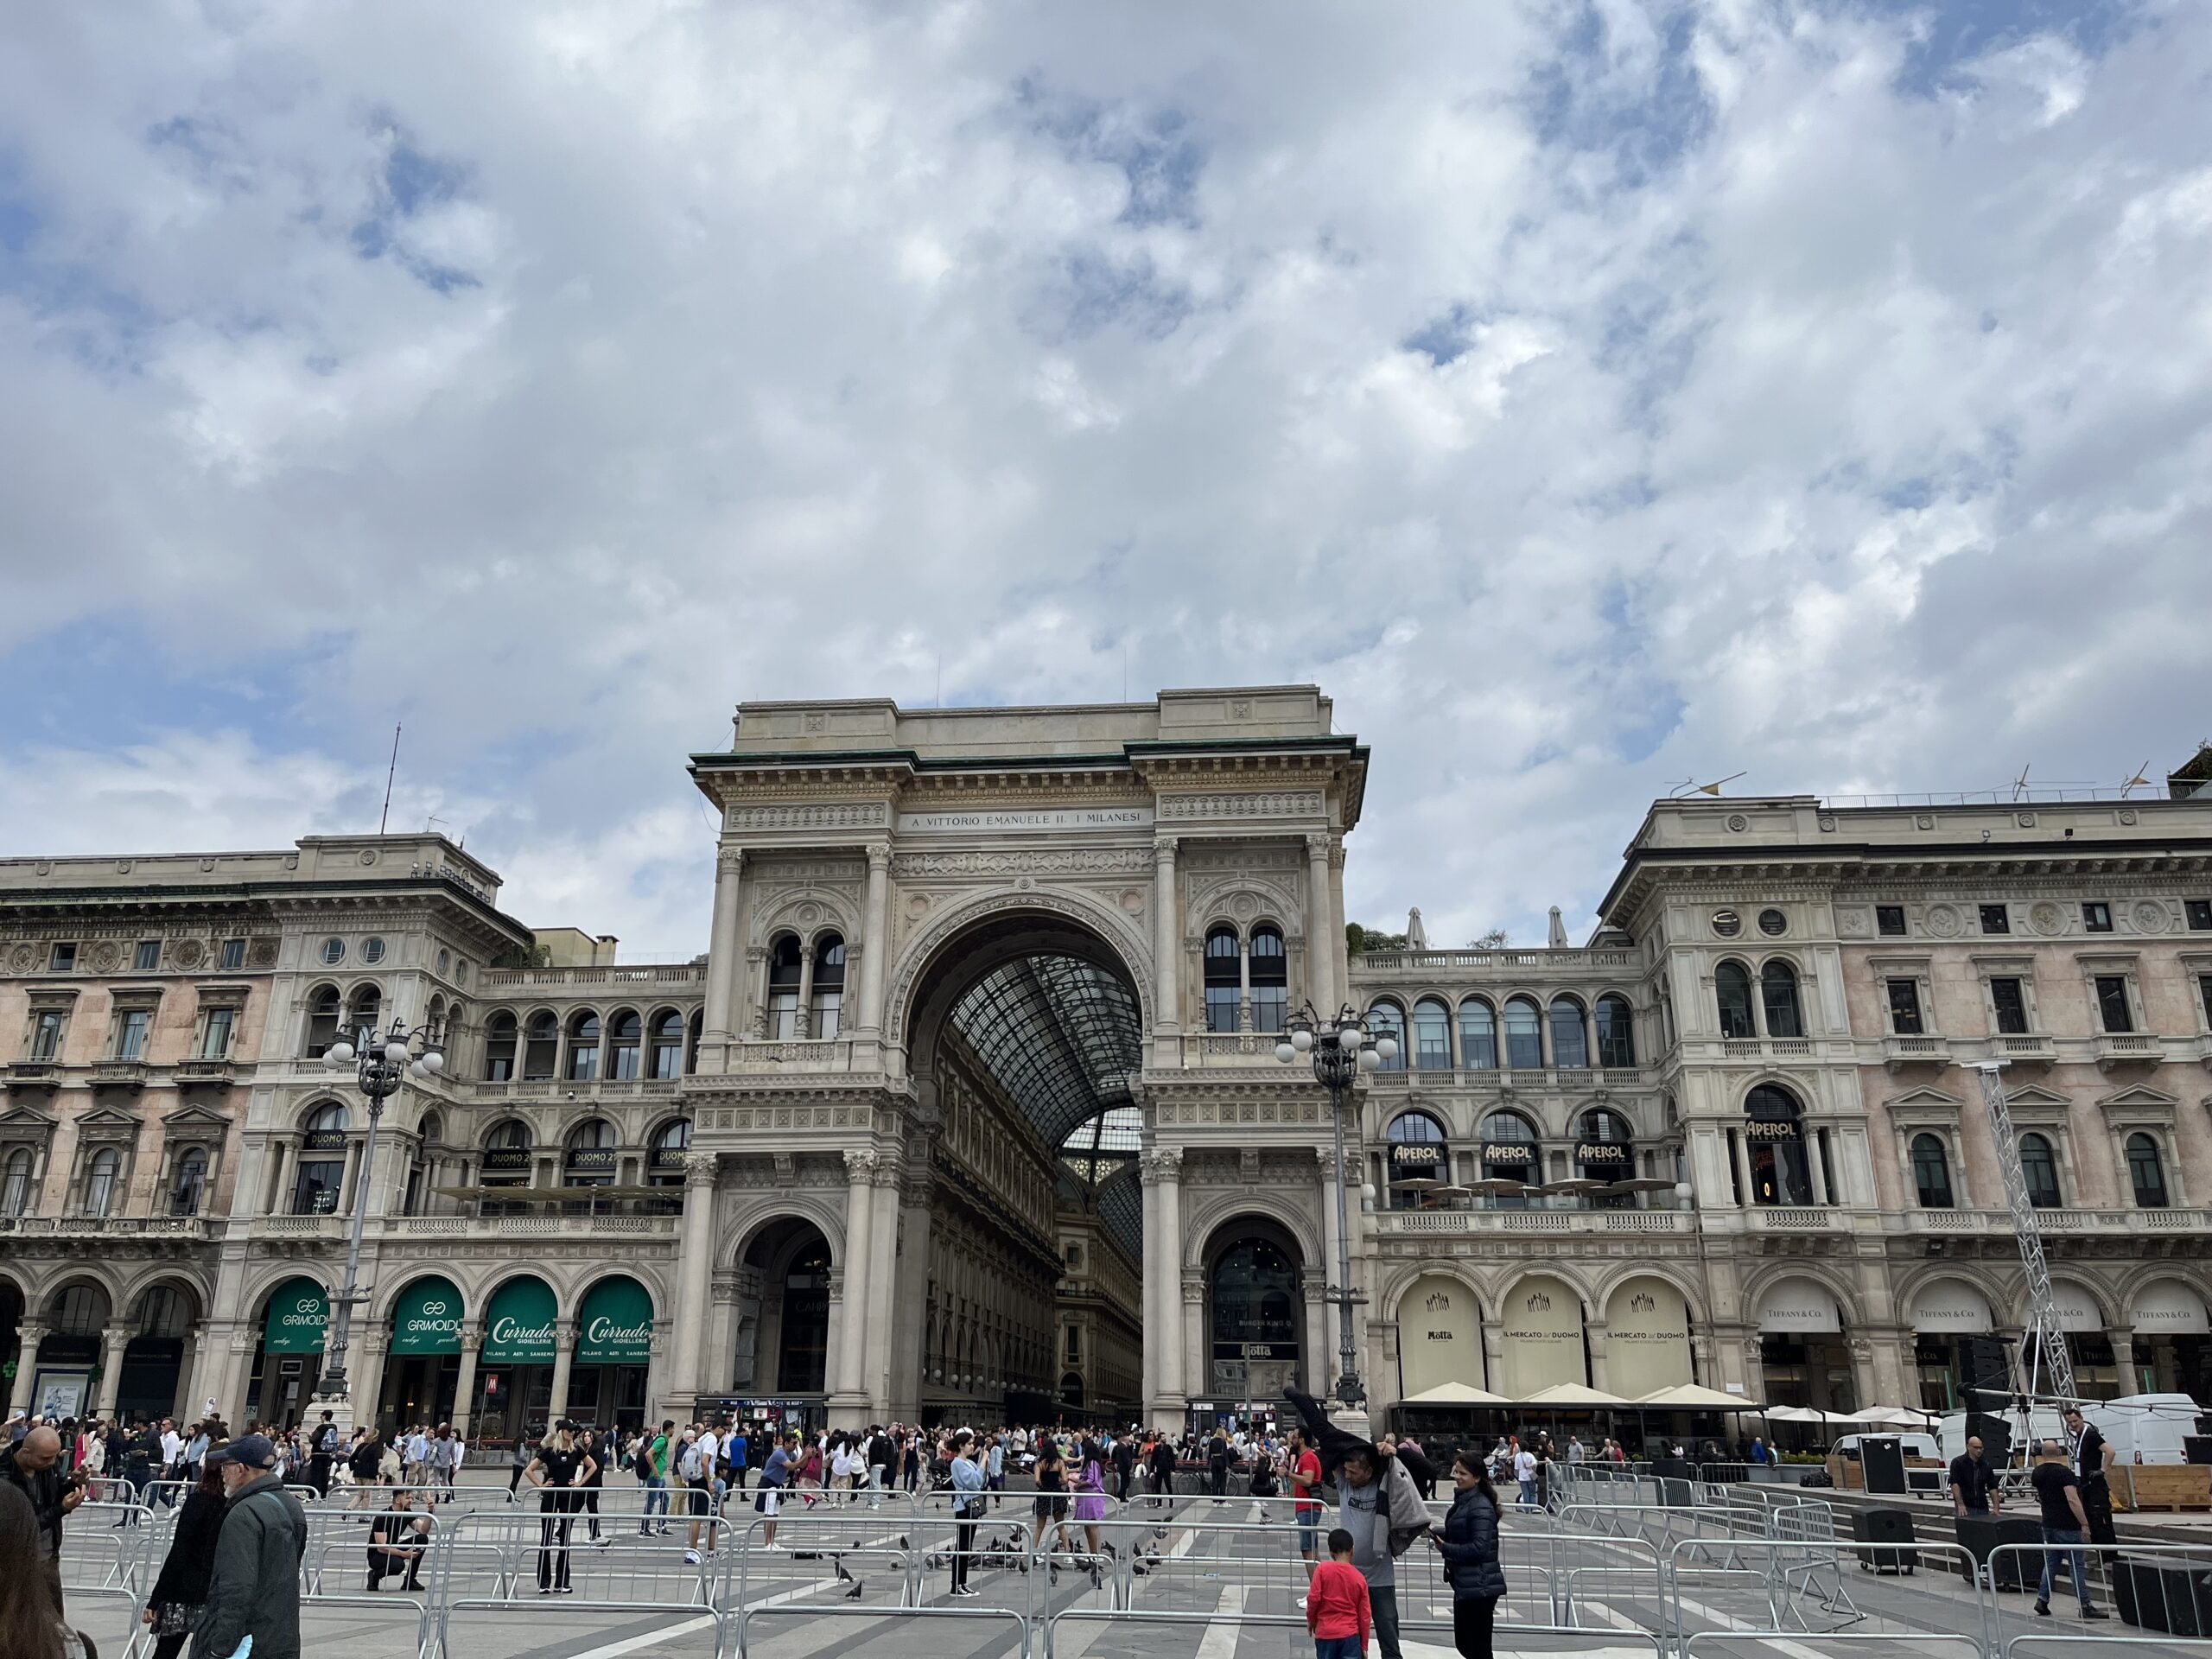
pixel 2140 1095
pixel 2139 1106
pixel 106 1120
pixel 189 1119
pixel 26 1120
pixel 1923 1102
pixel 2033 1096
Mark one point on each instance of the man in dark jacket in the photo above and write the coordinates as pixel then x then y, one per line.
pixel 255 1589
pixel 32 1467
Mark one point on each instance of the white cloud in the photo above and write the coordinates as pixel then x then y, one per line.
pixel 1550 383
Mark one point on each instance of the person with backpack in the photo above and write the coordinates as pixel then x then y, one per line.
pixel 652 1467
pixel 253 1589
pixel 322 1448
pixel 697 1466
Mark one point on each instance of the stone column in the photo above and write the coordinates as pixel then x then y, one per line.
pixel 1493 1377
pixel 1190 1331
pixel 802 1023
pixel 1594 1336
pixel 1167 939
pixel 882 1271
pixel 1332 1255
pixel 1164 1315
pixel 187 1373
pixel 113 1343
pixel 464 1388
pixel 564 1358
pixel 1814 1161
pixel 1749 1200
pixel 1243 985
pixel 364 1377
pixel 1321 931
pixel 719 1025
pixel 1317 1339
pixel 755 1023
pixel 875 937
pixel 850 1380
pixel 1148 1281
pixel 28 1334
pixel 694 1264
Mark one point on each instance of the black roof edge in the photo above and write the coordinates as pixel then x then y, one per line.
pixel 247 892
pixel 722 760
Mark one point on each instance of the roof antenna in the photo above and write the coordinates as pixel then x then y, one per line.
pixel 385 816
pixel 2020 783
pixel 1690 786
pixel 2142 777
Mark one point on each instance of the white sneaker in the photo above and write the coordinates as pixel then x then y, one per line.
pixel 1301 1603
pixel 691 1558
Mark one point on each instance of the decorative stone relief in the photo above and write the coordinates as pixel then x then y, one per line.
pixel 1271 804
pixel 1033 861
pixel 1943 920
pixel 856 815
pixel 2046 917
pixel 2150 917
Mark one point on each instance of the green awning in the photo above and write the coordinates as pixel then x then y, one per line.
pixel 299 1314
pixel 518 1324
pixel 427 1318
pixel 616 1327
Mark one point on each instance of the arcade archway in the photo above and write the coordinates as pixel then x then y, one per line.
pixel 1025 1034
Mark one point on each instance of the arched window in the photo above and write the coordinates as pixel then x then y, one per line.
pixel 785 969
pixel 1570 1041
pixel 2148 1174
pixel 322 1020
pixel 1524 1035
pixel 1732 988
pixel 1418 1153
pixel 431 1129
pixel 191 1183
pixel 321 1170
pixel 1616 1033
pixel 664 1163
pixel 1432 1035
pixel 1270 980
pixel 99 1181
pixel 1386 1019
pixel 499 1037
pixel 1223 979
pixel 1603 1147
pixel 362 1013
pixel 507 1155
pixel 2040 1169
pixel 668 1045
pixel 590 1160
pixel 626 1035
pixel 1510 1153
pixel 1778 999
pixel 1478 1035
pixel 541 1047
pixel 1931 1173
pixel 16 1193
pixel 1256 1297
pixel 828 986
pixel 583 1045
pixel 1781 1170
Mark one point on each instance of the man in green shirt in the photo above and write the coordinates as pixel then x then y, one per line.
pixel 652 1469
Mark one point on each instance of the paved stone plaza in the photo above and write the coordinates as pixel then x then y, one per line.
pixel 1202 1580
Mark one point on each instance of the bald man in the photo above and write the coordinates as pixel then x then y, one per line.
pixel 32 1467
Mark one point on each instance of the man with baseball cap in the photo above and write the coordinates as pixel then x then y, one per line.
pixel 255 1588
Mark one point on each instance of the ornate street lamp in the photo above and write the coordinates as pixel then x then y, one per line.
pixel 381 1061
pixel 1339 1050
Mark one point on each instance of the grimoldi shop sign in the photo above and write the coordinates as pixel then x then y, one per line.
pixel 428 1319
pixel 298 1315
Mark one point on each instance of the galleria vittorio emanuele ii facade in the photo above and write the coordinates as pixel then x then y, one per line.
pixel 971 1110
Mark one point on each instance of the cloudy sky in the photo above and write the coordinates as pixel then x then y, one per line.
pixel 1590 397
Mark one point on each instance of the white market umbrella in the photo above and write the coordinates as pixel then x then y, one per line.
pixel 1691 1396
pixel 1454 1394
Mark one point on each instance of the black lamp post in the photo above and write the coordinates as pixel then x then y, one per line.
pixel 381 1061
pixel 1339 1050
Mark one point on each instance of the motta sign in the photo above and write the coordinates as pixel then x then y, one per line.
pixel 1018 821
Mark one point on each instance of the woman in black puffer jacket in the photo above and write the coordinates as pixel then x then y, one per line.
pixel 1470 1549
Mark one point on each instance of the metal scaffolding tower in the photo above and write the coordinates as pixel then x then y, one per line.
pixel 2044 1345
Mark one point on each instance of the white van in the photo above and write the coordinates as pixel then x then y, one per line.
pixel 2146 1428
pixel 2044 1424
pixel 1916 1444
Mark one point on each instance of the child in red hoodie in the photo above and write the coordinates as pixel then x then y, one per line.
pixel 1335 1603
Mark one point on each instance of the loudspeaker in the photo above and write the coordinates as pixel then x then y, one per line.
pixel 1996 1437
pixel 2197 1448
pixel 1882 1457
pixel 1984 1364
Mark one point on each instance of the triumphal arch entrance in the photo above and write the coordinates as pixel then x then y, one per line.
pixel 985 1102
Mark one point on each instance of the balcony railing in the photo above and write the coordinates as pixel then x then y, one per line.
pixel 34 1074
pixel 1900 1051
pixel 1508 963
pixel 778 1055
pixel 207 1071
pixel 2024 1046
pixel 647 974
pixel 2118 1048
pixel 1524 1079
pixel 187 1228
pixel 1426 1222
pixel 120 1074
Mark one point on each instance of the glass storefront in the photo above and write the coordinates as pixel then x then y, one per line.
pixel 514 1367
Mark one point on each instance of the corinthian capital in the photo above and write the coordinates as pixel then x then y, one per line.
pixel 700 1168
pixel 860 1166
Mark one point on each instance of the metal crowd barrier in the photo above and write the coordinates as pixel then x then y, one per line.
pixel 2153 1595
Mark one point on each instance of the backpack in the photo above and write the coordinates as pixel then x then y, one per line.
pixel 694 1464
pixel 642 1463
